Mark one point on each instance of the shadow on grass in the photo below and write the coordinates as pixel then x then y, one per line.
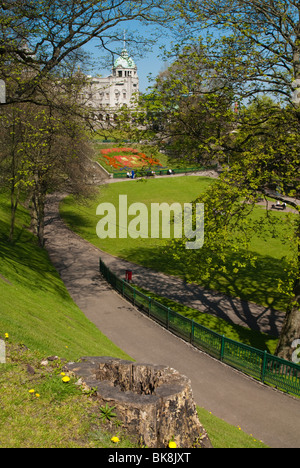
pixel 248 297
pixel 235 332
pixel 24 262
pixel 77 220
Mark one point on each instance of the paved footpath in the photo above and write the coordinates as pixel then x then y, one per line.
pixel 267 414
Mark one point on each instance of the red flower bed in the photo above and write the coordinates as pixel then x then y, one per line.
pixel 119 158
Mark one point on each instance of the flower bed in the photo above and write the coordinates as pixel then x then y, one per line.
pixel 127 159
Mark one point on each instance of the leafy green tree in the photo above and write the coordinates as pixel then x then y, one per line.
pixel 45 148
pixel 257 42
pixel 189 107
pixel 257 45
pixel 264 166
pixel 43 121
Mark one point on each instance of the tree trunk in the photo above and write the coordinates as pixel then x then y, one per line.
pixel 291 326
pixel 291 329
pixel 38 213
pixel 14 206
pixel 14 190
pixel 41 219
pixel 14 202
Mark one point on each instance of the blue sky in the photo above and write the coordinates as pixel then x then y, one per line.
pixel 150 63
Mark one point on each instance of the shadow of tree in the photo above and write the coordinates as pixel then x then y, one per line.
pixel 23 261
pixel 249 297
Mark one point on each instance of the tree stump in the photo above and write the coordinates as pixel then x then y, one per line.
pixel 153 402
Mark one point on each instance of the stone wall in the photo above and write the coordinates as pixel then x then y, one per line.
pixel 155 403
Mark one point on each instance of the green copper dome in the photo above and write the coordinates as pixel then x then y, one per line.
pixel 124 61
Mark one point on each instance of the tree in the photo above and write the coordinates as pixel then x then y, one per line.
pixel 258 41
pixel 43 36
pixel 257 47
pixel 40 47
pixel 264 166
pixel 189 107
pixel 10 163
pixel 269 162
pixel 45 148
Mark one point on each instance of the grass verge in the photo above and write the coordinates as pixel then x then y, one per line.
pixel 39 410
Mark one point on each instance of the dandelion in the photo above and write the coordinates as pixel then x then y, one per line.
pixel 32 390
pixel 115 439
pixel 6 335
pixel 66 379
pixel 172 444
pixel 63 374
pixel 37 395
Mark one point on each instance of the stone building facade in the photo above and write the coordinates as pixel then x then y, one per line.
pixel 108 94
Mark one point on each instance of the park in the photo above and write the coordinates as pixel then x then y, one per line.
pixel 149 236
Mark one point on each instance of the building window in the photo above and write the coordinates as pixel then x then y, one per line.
pixel 120 73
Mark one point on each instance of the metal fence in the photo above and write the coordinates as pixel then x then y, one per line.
pixel 147 172
pixel 261 365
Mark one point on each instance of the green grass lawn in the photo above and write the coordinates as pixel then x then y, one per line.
pixel 82 217
pixel 258 283
pixel 41 320
pixel 223 435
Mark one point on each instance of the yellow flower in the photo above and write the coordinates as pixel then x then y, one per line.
pixel 115 439
pixel 6 335
pixel 32 390
pixel 62 373
pixel 172 444
pixel 37 395
pixel 66 379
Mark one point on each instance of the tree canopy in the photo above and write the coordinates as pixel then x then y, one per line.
pixel 254 47
pixel 44 36
pixel 259 40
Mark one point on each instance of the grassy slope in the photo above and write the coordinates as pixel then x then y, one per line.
pixel 36 307
pixel 41 320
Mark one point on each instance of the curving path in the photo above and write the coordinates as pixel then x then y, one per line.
pixel 263 319
pixel 267 414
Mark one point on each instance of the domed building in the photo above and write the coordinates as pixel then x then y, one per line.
pixel 107 95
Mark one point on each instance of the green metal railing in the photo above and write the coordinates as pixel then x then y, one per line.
pixel 265 367
pixel 145 172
